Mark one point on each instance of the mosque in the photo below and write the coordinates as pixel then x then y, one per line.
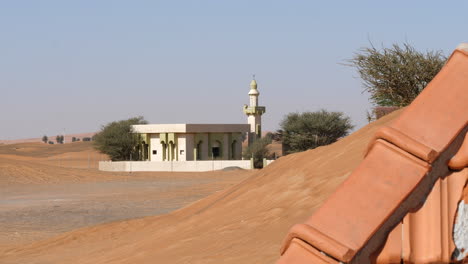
pixel 195 147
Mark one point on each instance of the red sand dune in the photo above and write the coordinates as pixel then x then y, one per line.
pixel 243 224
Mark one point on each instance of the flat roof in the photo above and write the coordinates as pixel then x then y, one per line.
pixel 191 128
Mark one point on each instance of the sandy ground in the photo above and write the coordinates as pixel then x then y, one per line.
pixel 245 223
pixel 41 197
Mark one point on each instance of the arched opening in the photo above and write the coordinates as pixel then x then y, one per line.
pixel 171 151
pixel 144 151
pixel 164 151
pixel 233 149
pixel 216 149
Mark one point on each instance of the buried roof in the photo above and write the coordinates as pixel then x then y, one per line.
pixel 191 128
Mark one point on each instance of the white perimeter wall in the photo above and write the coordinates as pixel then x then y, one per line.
pixel 201 165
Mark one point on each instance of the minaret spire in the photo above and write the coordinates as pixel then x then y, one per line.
pixel 254 112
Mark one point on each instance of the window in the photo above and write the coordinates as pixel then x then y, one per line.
pixel 181 152
pixel 216 152
pixel 155 152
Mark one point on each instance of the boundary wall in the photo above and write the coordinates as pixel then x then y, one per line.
pixel 200 165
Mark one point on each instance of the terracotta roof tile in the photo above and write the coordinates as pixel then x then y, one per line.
pixel 406 162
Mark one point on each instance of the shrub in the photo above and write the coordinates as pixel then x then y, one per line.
pixel 308 130
pixel 117 140
pixel 258 150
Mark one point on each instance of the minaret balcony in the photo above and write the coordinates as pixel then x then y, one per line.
pixel 254 110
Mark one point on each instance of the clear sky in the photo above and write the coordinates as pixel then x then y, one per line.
pixel 75 65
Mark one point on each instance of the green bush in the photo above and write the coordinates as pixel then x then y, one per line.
pixel 258 150
pixel 118 141
pixel 59 139
pixel 308 130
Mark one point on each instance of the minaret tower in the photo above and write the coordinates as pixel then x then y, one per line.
pixel 254 113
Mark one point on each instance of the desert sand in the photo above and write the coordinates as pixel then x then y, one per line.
pixel 245 223
pixel 51 189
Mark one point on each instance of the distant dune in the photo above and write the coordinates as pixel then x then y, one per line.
pixel 68 138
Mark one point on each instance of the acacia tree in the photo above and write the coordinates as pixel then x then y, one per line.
pixel 59 139
pixel 45 139
pixel 308 130
pixel 395 76
pixel 117 140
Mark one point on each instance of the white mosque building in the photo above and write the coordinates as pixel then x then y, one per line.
pixel 195 147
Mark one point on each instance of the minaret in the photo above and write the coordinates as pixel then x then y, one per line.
pixel 254 113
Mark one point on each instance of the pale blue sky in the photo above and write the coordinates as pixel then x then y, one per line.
pixel 76 65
